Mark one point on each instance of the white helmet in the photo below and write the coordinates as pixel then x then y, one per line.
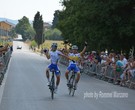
pixel 75 47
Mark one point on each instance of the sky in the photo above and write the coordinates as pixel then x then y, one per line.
pixel 16 9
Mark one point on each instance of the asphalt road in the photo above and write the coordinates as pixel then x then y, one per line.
pixel 24 88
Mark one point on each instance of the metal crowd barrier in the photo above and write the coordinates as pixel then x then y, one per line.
pixel 4 60
pixel 96 69
pixel 132 83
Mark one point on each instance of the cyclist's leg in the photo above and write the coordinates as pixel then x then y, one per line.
pixel 57 78
pixel 67 72
pixel 78 74
pixel 47 73
pixel 57 73
pixel 77 80
pixel 78 77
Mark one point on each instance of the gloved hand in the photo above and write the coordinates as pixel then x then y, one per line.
pixel 45 50
pixel 86 44
pixel 66 42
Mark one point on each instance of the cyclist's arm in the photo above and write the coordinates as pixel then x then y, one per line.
pixel 84 49
pixel 63 55
pixel 47 55
pixel 66 49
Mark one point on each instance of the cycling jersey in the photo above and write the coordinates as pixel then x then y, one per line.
pixel 54 56
pixel 73 65
pixel 75 57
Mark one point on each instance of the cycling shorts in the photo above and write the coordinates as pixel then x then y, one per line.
pixel 74 68
pixel 55 67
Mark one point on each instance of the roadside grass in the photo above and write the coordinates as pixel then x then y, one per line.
pixel 47 44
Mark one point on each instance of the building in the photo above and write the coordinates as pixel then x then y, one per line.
pixel 47 25
pixel 5 28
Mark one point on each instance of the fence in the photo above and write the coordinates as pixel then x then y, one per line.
pixel 100 71
pixel 4 60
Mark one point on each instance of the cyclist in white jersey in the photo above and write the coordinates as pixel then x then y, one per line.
pixel 54 56
pixel 75 56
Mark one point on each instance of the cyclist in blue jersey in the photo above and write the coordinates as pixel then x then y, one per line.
pixel 54 56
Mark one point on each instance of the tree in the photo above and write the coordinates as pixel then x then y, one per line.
pixel 103 23
pixel 12 33
pixel 53 34
pixel 30 33
pixel 55 20
pixel 38 27
pixel 24 28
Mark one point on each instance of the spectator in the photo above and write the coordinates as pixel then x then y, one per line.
pixel 91 57
pixel 103 57
pixel 98 58
pixel 11 48
pixel 3 49
pixel 124 60
pixel 119 68
pixel 126 71
pixel 85 58
pixel 131 72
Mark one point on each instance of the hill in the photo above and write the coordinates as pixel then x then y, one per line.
pixel 16 21
pixel 9 20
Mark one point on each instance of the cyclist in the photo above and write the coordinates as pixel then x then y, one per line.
pixel 73 65
pixel 53 55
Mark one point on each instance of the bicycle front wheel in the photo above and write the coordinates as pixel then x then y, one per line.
pixel 52 87
pixel 72 80
pixel 74 88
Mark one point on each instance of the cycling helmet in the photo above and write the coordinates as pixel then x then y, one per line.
pixel 54 45
pixel 75 47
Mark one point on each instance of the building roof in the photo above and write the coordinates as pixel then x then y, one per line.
pixel 47 25
pixel 7 22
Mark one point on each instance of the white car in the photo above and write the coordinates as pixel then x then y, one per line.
pixel 19 47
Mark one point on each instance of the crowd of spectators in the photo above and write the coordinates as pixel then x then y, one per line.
pixel 123 69
pixel 5 53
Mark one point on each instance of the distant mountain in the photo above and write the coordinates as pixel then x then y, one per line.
pixel 9 20
pixel 15 21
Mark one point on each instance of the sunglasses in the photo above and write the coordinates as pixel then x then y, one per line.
pixel 54 46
